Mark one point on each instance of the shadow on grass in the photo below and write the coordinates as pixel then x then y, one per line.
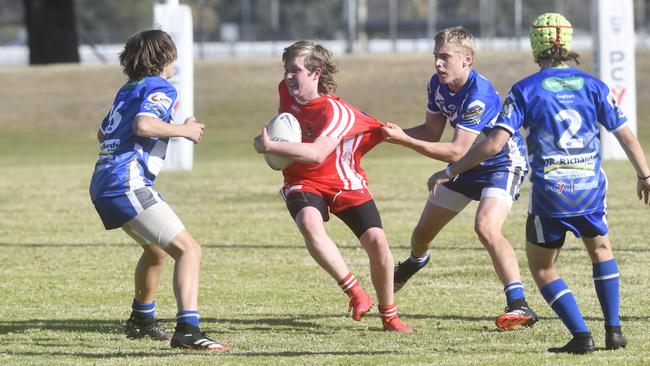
pixel 313 328
pixel 64 325
pixel 271 322
pixel 267 322
pixel 483 318
pixel 257 322
pixel 176 353
pixel 311 353
pixel 297 245
pixel 97 355
pixel 300 246
pixel 48 346
pixel 59 245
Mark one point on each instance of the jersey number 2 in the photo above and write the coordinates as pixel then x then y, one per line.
pixel 568 138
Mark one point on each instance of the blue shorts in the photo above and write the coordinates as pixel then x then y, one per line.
pixel 455 195
pixel 471 184
pixel 116 211
pixel 550 232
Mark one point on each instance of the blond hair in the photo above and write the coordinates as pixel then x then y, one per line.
pixel 147 53
pixel 458 36
pixel 316 57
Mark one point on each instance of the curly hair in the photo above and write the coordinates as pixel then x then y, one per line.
pixel 558 55
pixel 316 57
pixel 147 53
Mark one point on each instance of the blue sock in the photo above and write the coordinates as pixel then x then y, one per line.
pixel 188 316
pixel 558 295
pixel 607 281
pixel 514 291
pixel 419 261
pixel 144 310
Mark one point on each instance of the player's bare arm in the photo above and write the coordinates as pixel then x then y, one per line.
pixel 495 141
pixel 302 152
pixel 394 134
pixel 444 151
pixel 146 126
pixel 431 130
pixel 635 154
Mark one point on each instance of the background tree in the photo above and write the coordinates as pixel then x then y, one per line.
pixel 51 31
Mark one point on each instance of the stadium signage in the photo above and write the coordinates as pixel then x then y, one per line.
pixel 613 24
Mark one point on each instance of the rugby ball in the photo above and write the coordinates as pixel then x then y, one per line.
pixel 284 127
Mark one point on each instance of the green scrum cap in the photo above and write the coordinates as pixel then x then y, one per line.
pixel 550 30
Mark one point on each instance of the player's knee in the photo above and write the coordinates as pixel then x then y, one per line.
pixel 487 233
pixel 155 257
pixel 197 250
pixel 308 221
pixel 374 238
pixel 543 275
pixel 304 221
pixel 193 252
pixel 541 268
pixel 193 248
pixel 599 250
pixel 184 245
pixel 374 235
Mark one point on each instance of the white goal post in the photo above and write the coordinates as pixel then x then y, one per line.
pixel 176 20
pixel 613 51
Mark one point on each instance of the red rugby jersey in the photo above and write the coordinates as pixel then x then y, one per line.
pixel 330 116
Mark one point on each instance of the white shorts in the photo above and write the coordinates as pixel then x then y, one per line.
pixel 456 202
pixel 158 224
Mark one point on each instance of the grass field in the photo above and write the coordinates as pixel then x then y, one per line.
pixel 66 284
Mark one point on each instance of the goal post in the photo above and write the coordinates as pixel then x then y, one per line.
pixel 176 20
pixel 614 63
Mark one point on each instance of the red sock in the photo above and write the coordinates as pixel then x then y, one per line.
pixel 349 284
pixel 387 311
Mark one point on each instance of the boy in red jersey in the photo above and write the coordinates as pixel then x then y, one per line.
pixel 326 176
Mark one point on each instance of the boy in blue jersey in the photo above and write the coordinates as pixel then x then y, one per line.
pixel 562 107
pixel 464 97
pixel 133 141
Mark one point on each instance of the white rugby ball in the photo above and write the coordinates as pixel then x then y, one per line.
pixel 284 127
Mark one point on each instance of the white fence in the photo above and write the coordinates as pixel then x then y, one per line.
pixel 19 55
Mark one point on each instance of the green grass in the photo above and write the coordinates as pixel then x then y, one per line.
pixel 66 284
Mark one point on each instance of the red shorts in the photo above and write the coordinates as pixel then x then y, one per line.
pixel 337 200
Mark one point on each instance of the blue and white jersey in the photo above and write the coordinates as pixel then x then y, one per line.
pixel 128 162
pixel 474 108
pixel 560 108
